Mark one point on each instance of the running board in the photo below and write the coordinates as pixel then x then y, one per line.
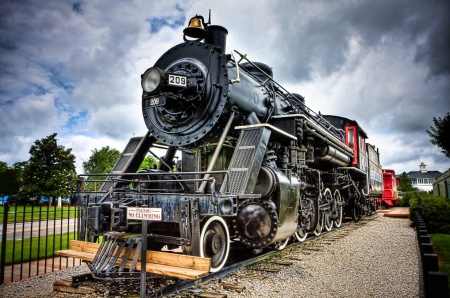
pixel 160 263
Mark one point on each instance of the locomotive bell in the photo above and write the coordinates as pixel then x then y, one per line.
pixel 195 28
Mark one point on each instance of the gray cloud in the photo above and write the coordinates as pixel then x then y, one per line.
pixel 74 67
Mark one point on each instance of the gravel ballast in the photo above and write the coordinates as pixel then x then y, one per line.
pixel 375 257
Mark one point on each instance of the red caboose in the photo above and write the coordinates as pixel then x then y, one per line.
pixel 390 194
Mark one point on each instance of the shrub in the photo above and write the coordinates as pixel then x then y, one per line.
pixel 435 212
pixel 404 200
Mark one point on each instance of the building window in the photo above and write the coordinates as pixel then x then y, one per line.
pixel 419 181
pixel 413 181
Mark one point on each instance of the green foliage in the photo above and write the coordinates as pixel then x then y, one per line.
pixel 441 244
pixel 404 200
pixel 148 163
pixel 3 166
pixel 439 135
pixel 405 183
pixel 11 178
pixel 101 161
pixel 48 169
pixel 435 212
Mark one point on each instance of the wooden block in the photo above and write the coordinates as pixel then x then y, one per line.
pixel 283 263
pixel 233 287
pixel 65 285
pixel 211 295
pixel 257 276
pixel 268 270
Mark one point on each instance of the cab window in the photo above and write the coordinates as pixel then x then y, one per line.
pixel 350 141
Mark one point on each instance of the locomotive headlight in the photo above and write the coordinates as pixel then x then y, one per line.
pixel 152 79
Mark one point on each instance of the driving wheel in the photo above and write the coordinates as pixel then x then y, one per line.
pixel 339 208
pixel 214 242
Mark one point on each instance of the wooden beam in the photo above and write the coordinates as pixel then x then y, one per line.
pixel 163 263
pixel 154 268
pixel 158 257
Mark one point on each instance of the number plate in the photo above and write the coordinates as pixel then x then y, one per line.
pixel 155 101
pixel 175 80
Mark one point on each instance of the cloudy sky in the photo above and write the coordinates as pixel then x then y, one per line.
pixel 73 67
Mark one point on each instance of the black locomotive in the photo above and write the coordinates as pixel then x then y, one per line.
pixel 257 167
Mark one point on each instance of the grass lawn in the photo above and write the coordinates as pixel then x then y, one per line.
pixel 33 249
pixel 441 244
pixel 32 213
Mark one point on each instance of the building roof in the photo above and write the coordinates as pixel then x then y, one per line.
pixel 427 174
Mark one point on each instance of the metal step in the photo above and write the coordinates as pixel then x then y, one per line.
pixel 131 158
pixel 246 161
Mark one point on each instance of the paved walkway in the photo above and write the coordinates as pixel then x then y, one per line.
pixel 402 212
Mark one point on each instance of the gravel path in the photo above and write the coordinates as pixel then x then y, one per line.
pixel 373 258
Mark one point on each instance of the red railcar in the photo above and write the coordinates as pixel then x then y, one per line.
pixel 390 194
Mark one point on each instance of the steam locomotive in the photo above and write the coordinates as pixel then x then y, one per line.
pixel 257 168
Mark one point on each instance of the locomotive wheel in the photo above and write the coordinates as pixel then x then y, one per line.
pixel 281 245
pixel 319 226
pixel 214 242
pixel 328 222
pixel 357 212
pixel 301 235
pixel 340 208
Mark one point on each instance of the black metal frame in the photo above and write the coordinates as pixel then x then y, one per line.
pixel 43 222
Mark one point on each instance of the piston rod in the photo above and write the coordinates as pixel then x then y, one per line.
pixel 218 148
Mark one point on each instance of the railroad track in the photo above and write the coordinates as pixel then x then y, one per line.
pixel 311 244
pixel 159 286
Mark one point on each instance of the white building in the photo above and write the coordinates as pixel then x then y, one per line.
pixel 423 179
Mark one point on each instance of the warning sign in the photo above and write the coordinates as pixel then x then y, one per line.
pixel 144 213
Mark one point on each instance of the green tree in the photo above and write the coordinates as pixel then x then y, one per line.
pixel 405 183
pixel 49 169
pixel 149 162
pixel 10 178
pixel 3 166
pixel 101 161
pixel 440 134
